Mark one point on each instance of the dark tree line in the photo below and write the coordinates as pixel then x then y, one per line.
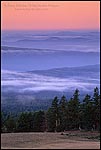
pixel 63 115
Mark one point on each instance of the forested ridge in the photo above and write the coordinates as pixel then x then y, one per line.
pixel 62 115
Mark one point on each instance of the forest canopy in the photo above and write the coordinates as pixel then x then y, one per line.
pixel 62 115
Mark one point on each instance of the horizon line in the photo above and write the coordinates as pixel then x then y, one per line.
pixel 51 29
pixel 98 64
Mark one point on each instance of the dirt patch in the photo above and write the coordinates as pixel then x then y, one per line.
pixel 68 140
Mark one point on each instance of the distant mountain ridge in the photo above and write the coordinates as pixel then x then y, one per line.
pixel 80 67
pixel 7 48
pixel 61 72
pixel 56 79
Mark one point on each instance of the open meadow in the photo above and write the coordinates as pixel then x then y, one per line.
pixel 46 140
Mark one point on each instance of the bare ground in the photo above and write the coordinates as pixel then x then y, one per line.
pixel 69 140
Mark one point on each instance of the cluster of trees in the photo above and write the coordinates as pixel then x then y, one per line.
pixel 63 115
pixel 24 122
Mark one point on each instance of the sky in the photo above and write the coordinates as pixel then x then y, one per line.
pixel 46 15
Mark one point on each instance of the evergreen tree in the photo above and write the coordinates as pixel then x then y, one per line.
pixel 28 121
pixel 96 96
pixel 96 99
pixel 63 113
pixel 53 115
pixel 39 121
pixel 10 123
pixel 2 122
pixel 88 113
pixel 51 125
pixel 25 122
pixel 73 111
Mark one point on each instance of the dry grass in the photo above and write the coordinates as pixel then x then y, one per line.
pixel 69 140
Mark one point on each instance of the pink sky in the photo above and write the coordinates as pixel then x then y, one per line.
pixel 52 15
